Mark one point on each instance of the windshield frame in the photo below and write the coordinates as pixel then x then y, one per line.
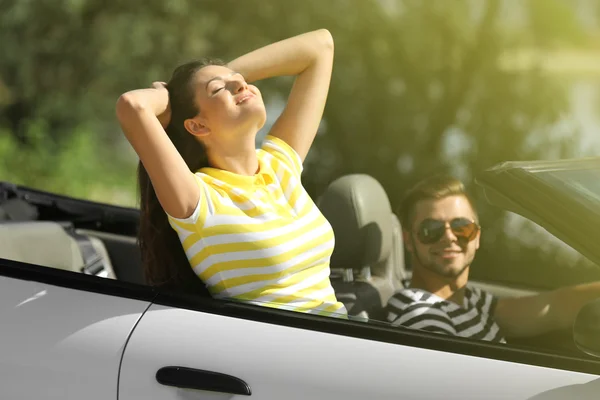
pixel 573 218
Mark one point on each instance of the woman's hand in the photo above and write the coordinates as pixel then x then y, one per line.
pixel 165 117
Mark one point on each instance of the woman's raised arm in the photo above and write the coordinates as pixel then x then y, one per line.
pixel 143 114
pixel 310 58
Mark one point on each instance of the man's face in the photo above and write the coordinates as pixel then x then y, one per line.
pixel 451 254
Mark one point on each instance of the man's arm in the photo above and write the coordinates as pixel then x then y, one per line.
pixel 545 312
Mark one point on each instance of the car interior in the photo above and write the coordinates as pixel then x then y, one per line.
pixel 368 264
pixel 69 234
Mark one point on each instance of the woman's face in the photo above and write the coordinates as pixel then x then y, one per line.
pixel 228 105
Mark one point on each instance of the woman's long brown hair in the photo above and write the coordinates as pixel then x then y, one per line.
pixel 163 258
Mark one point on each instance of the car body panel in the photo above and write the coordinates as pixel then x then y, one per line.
pixel 59 343
pixel 282 362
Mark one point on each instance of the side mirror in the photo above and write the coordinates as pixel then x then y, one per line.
pixel 586 330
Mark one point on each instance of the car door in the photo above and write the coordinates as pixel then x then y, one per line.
pixel 185 348
pixel 62 334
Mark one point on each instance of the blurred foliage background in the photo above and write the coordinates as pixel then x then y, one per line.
pixel 419 87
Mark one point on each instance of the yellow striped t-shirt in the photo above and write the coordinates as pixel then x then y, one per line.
pixel 261 239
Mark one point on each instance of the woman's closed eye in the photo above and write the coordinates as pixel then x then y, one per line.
pixel 217 90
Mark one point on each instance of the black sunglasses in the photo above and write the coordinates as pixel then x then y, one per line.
pixel 432 230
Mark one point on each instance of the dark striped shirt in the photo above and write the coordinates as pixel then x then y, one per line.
pixel 419 309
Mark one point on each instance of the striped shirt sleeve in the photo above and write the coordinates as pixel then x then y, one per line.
pixel 199 214
pixel 483 301
pixel 284 153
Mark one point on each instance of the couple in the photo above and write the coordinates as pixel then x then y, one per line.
pixel 218 214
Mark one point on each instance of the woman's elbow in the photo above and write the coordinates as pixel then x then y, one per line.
pixel 126 105
pixel 325 39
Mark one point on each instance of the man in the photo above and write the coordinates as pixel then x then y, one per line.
pixel 441 232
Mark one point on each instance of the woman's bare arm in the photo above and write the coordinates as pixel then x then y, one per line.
pixel 142 114
pixel 310 58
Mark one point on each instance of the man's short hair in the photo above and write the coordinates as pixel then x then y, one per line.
pixel 433 188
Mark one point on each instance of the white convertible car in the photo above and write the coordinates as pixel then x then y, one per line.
pixel 77 321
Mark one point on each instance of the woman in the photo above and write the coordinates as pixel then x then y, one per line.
pixel 249 229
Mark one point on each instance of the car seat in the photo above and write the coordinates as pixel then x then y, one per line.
pixel 54 245
pixel 367 265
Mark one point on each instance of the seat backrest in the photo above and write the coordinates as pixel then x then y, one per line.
pixel 124 254
pixel 368 237
pixel 48 244
pixel 397 269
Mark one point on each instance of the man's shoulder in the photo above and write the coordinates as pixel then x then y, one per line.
pixel 476 293
pixel 481 299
